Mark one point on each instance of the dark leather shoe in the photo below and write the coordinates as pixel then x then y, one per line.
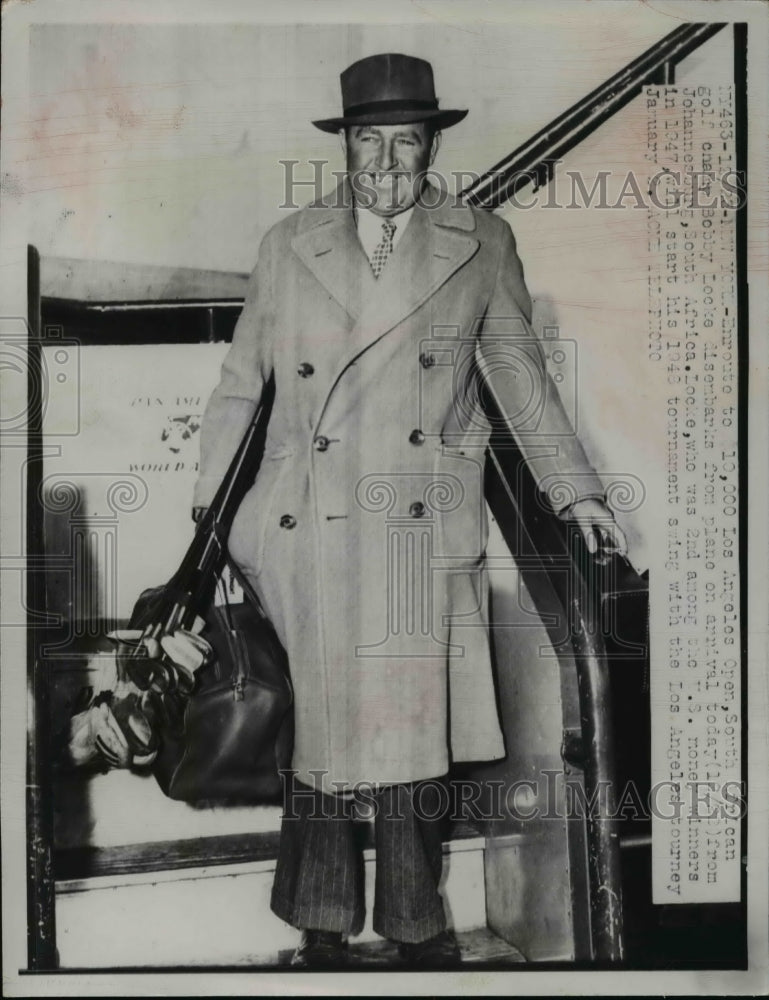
pixel 320 949
pixel 436 952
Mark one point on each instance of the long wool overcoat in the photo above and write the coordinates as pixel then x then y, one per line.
pixel 365 531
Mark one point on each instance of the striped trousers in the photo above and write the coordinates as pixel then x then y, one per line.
pixel 319 881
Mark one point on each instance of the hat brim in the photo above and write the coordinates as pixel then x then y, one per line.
pixel 441 119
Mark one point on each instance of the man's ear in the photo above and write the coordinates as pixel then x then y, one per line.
pixel 343 140
pixel 436 145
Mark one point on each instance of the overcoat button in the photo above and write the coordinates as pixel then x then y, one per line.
pixel 416 436
pixel 427 360
pixel 288 521
pixel 305 369
pixel 321 443
pixel 417 509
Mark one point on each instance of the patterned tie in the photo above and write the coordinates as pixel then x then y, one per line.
pixel 383 250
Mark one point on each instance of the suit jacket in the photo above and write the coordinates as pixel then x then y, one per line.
pixel 365 531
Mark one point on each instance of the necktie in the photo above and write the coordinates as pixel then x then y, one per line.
pixel 383 249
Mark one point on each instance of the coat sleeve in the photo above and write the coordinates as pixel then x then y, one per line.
pixel 245 371
pixel 513 364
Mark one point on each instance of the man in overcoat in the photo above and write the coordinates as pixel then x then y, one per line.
pixel 364 535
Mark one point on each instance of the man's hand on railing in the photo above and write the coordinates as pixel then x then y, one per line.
pixel 603 536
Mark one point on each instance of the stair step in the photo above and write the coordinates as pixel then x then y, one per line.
pixel 219 914
pixel 479 946
pixel 73 863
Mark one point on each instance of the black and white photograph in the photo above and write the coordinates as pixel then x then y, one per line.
pixel 384 487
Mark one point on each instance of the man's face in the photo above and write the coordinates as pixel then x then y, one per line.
pixel 386 163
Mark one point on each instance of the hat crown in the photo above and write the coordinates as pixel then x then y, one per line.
pixel 387 77
pixel 389 89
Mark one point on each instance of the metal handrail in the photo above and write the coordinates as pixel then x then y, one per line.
pixel 41 908
pixel 533 161
pixel 573 575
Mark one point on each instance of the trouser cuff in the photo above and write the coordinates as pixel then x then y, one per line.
pixel 409 931
pixel 317 918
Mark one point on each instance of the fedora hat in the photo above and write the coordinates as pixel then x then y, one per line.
pixel 389 89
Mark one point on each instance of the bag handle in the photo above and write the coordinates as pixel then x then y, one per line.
pixel 248 589
pixel 234 639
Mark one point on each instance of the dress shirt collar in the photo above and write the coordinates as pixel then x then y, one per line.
pixel 370 228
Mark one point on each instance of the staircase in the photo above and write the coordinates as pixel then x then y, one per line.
pixel 204 901
pixel 165 885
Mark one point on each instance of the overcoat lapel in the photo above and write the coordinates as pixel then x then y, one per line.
pixel 436 244
pixel 429 253
pixel 328 245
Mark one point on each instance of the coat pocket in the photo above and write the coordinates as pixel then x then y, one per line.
pixel 462 525
pixel 249 529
